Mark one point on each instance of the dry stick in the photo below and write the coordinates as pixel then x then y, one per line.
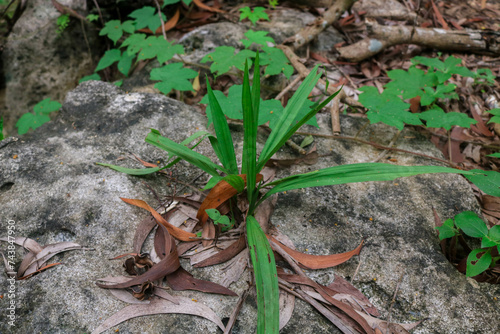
pixel 394 300
pixel 382 147
pixel 485 145
pixel 289 87
pixel 161 19
pixel 308 33
pixel 483 42
pixel 384 153
pixel 99 11
pixel 236 310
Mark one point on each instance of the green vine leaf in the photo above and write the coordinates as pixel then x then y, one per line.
pixel 496 117
pixel 147 17
pixel 276 62
pixel 411 82
pixel 109 58
pixel 173 76
pixel 93 76
pixel 114 29
pixel 441 92
pixel 387 108
pixel 253 15
pixel 447 230
pixel 39 116
pixel 437 118
pixel 157 46
pixel 224 59
pixel 257 37
pixel 134 43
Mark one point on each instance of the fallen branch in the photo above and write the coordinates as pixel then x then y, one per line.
pixel 482 42
pixel 311 31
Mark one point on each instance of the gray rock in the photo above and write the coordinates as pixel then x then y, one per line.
pixel 40 63
pixel 51 188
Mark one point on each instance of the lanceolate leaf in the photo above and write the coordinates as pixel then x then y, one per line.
pixel 355 173
pixel 471 224
pixel 275 140
pixel 195 158
pixel 225 147
pixel 487 181
pixel 478 261
pixel 266 278
pixel 132 171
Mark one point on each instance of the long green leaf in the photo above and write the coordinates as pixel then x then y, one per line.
pixel 225 149
pixel 355 173
pixel 281 130
pixel 250 107
pixel 146 171
pixel 195 158
pixel 266 278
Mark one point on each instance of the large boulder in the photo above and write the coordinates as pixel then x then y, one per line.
pixel 52 191
pixel 38 62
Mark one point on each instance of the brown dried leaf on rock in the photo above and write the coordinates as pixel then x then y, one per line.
pixel 160 306
pixel 224 255
pixel 234 268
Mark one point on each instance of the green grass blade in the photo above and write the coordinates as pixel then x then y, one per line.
pixel 355 173
pixel 250 106
pixel 266 278
pixel 131 171
pixel 295 127
pixel 275 140
pixel 225 150
pixel 195 158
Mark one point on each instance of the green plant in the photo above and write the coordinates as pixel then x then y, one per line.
pixel 62 23
pixel 253 15
pixel 39 116
pixel 429 86
pixel 1 128
pixel 256 191
pixel 479 259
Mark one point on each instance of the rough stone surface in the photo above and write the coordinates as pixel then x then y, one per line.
pixel 51 188
pixel 40 63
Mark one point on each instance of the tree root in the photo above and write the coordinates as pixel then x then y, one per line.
pixel 482 42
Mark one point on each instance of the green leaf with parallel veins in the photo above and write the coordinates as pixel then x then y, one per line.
pixel 1 128
pixel 387 108
pixel 494 155
pixel 266 278
pixel 487 181
pixel 496 117
pixel 147 17
pixel 157 46
pixel 471 224
pixel 276 62
pixel 224 59
pixel 173 76
pixel 114 29
pixel 257 37
pixel 447 230
pixel 253 15
pixel 476 265
pixel 46 106
pixel 437 118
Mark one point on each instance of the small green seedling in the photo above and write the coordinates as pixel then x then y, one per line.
pixel 253 15
pixel 480 259
pixel 62 23
pixel 224 221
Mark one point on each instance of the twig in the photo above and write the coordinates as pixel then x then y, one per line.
pixel 384 153
pixel 87 43
pixel 356 271
pixel 394 301
pixel 382 147
pixel 291 144
pixel 99 12
pixel 308 33
pixel 287 88
pixel 236 310
pixel 161 19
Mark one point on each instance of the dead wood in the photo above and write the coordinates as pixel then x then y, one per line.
pixel 381 37
pixel 311 31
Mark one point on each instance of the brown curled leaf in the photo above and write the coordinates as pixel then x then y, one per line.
pixel 174 231
pixel 182 280
pixel 218 195
pixel 224 255
pixel 318 261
